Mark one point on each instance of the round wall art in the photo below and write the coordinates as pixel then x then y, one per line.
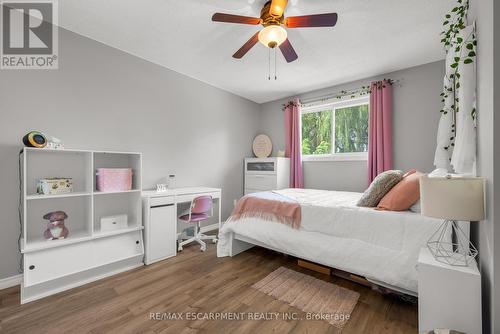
pixel 262 146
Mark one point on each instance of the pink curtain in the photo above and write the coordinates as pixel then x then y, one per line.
pixel 380 129
pixel 293 145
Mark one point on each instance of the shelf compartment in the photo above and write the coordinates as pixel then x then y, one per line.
pixel 110 204
pixel 106 234
pixel 73 194
pixel 79 221
pixel 119 160
pixel 41 243
pixel 44 163
pixel 77 237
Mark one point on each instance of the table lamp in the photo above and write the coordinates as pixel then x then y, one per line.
pixel 452 199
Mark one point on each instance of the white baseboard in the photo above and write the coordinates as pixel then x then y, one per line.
pixel 10 281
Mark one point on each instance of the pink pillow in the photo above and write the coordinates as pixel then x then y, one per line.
pixel 404 194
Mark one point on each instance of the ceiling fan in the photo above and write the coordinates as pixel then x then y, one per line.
pixel 273 34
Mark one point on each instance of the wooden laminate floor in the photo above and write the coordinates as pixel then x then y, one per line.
pixel 194 282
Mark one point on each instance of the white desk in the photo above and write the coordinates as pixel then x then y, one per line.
pixel 160 219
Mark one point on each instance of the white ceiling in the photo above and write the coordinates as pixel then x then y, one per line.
pixel 372 37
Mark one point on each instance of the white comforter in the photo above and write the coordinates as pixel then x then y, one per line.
pixel 379 245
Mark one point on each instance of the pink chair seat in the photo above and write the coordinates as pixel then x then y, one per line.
pixel 195 217
pixel 200 210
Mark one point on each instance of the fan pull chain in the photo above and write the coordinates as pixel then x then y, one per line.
pixel 275 66
pixel 269 66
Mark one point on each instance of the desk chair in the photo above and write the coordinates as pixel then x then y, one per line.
pixel 200 210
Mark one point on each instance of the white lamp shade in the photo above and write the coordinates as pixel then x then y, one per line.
pixel 455 198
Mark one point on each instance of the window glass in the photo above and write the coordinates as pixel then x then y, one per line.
pixel 317 133
pixel 335 129
pixel 351 129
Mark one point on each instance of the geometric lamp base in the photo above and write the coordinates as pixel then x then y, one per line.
pixel 457 252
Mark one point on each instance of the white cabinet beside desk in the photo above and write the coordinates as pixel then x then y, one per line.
pixel 160 219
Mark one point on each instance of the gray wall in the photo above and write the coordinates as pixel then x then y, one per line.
pixel 102 98
pixel 487 235
pixel 416 115
pixel 496 156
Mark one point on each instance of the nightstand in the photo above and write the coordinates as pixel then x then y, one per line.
pixel 448 296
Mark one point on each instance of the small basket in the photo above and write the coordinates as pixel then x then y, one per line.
pixel 54 186
pixel 114 179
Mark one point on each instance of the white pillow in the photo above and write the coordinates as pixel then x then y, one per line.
pixel 440 172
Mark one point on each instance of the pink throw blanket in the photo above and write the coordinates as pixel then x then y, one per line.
pixel 284 212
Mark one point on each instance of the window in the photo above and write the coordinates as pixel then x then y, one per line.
pixel 336 131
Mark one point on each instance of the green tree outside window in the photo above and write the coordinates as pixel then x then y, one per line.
pixel 350 135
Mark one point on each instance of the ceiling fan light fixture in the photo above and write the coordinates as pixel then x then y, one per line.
pixel 278 7
pixel 273 36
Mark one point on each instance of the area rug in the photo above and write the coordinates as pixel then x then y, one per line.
pixel 326 301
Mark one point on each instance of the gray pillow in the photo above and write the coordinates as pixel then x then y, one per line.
pixel 379 187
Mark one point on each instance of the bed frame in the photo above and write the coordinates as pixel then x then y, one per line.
pixel 239 244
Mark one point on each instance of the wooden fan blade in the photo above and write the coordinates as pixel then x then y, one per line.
pixel 288 51
pixel 307 21
pixel 247 46
pixel 230 18
pixel 277 7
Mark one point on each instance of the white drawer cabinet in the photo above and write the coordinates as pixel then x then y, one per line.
pixel 261 182
pixel 266 174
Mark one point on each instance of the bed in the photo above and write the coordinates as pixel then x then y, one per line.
pixel 382 246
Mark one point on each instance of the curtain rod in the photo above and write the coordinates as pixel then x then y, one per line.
pixel 353 93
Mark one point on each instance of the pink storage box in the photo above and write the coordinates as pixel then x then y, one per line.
pixel 114 179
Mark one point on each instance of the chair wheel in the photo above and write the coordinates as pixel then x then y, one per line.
pixel 215 241
pixel 179 249
pixel 203 248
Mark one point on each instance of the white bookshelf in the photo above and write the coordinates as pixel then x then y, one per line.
pixel 87 253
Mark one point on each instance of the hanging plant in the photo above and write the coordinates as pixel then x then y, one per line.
pixel 290 104
pixel 465 54
pixel 353 93
pixel 384 83
pixel 362 91
pixel 464 50
pixel 454 22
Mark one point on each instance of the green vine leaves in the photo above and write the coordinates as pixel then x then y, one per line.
pixel 463 45
pixel 454 22
pixel 464 48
